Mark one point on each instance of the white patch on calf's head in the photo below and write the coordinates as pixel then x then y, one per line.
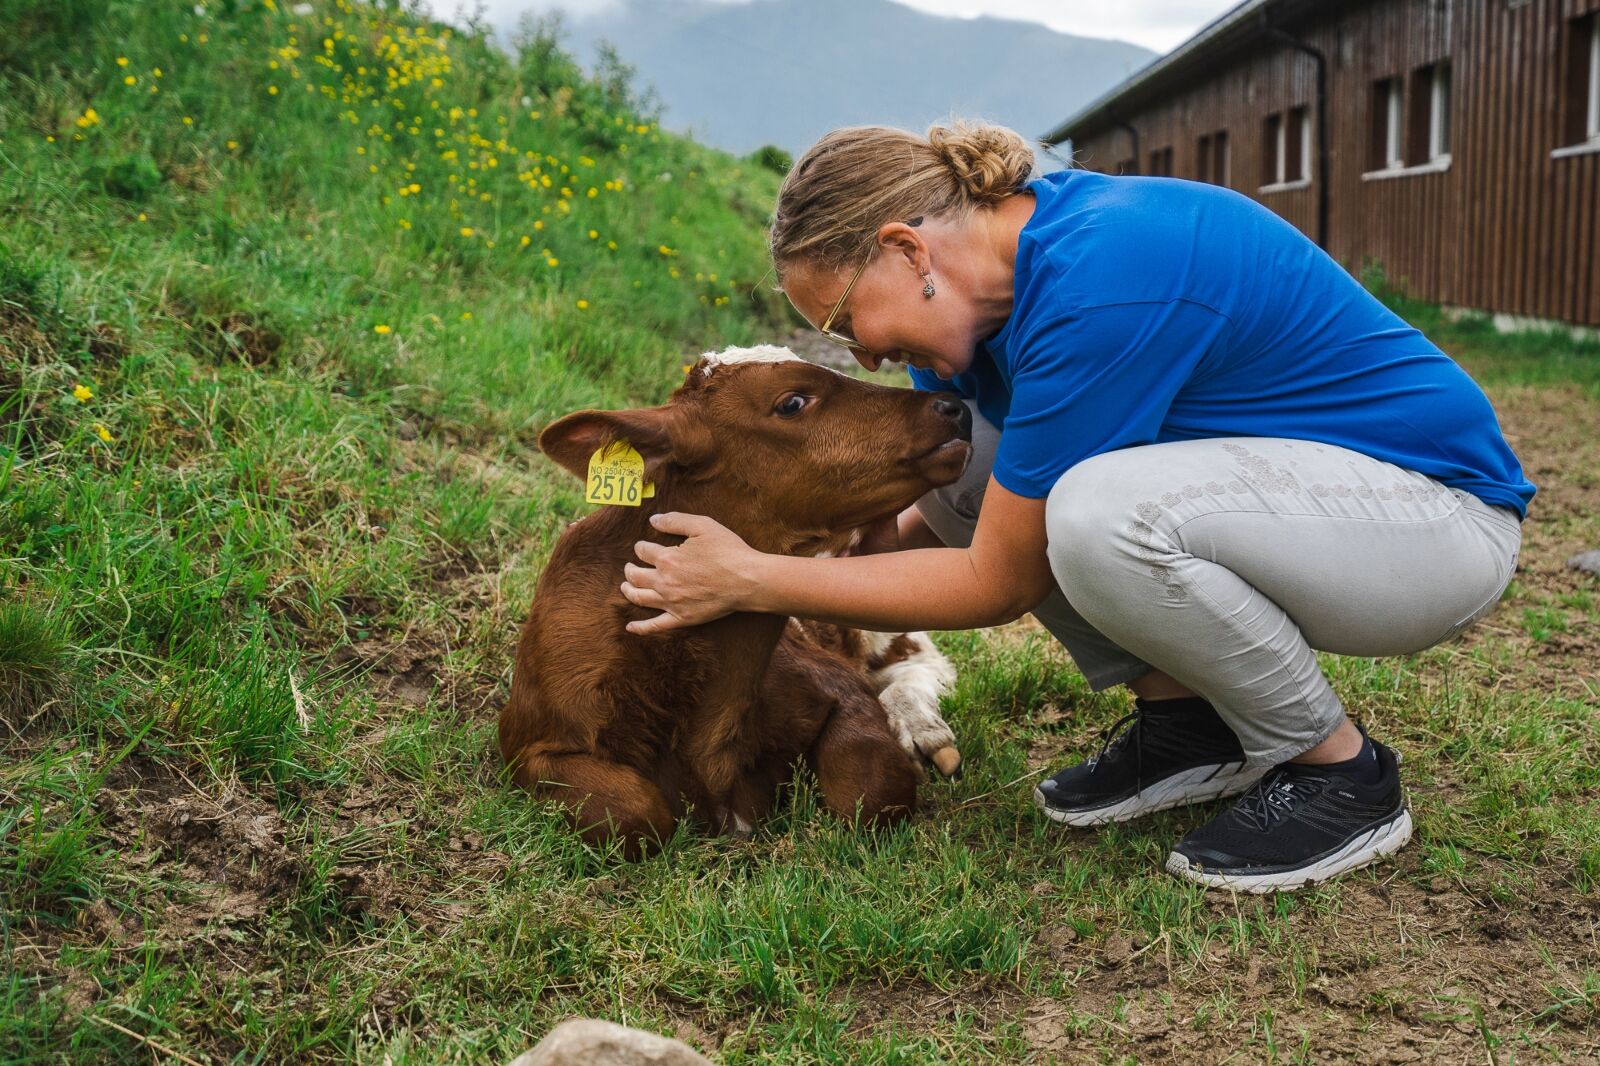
pixel 761 353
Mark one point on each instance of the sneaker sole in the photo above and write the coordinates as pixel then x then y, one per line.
pixel 1187 786
pixel 1363 849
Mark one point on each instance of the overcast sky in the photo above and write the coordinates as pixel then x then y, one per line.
pixel 1157 24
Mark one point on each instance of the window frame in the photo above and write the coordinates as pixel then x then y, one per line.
pixel 1273 142
pixel 1275 150
pixel 1386 153
pixel 1394 116
pixel 1439 125
pixel 1583 121
pixel 1592 126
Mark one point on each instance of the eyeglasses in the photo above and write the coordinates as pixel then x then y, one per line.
pixel 826 329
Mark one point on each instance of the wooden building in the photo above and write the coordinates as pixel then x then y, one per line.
pixel 1456 143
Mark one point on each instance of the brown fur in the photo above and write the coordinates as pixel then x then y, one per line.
pixel 629 733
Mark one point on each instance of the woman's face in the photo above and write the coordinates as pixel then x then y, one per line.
pixel 886 311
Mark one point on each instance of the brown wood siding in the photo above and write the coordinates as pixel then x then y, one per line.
pixel 1505 227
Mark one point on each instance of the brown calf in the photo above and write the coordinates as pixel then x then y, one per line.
pixel 628 732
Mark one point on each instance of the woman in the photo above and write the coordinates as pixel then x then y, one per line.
pixel 1201 451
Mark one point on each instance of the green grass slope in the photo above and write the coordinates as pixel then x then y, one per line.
pixel 247 255
pixel 286 292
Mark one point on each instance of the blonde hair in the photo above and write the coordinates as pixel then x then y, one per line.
pixel 855 179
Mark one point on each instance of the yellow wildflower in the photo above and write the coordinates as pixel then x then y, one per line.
pixel 143 217
pixel 187 121
pixel 593 234
pixel 83 394
pixel 122 61
pixel 525 241
pixel 103 433
pixel 583 305
pixel 130 80
pixel 380 329
pixel 466 316
pixel 466 231
pixel 552 261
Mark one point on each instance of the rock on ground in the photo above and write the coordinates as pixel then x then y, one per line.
pixel 1586 561
pixel 592 1042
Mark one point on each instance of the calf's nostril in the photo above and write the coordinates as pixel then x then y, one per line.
pixel 956 410
pixel 964 422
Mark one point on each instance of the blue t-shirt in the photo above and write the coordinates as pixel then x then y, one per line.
pixel 1153 309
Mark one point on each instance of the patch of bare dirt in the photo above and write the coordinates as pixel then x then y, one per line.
pixel 1553 432
pixel 401 671
pixel 1399 973
pixel 232 866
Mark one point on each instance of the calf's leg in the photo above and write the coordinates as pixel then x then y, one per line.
pixel 605 801
pixel 861 770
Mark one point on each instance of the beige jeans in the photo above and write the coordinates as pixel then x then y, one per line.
pixel 1225 562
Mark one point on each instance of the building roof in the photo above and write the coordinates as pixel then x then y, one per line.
pixel 1232 32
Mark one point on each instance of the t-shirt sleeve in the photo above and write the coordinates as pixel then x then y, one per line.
pixel 1095 380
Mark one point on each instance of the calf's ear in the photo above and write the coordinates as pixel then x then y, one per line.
pixel 572 440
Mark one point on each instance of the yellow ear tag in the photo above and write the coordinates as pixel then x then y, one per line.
pixel 616 476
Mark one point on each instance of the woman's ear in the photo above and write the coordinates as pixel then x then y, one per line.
pixel 907 242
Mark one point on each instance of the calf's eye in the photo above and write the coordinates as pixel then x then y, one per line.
pixel 790 405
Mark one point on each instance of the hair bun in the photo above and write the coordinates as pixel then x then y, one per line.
pixel 989 162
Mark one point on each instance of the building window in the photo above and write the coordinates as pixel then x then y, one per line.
pixel 1211 158
pixel 1297 146
pixel 1593 127
pixel 1385 152
pixel 1286 148
pixel 1439 116
pixel 1429 126
pixel 1161 162
pixel 1583 80
pixel 1219 158
pixel 1273 150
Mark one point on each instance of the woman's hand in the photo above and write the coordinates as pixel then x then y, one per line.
pixel 698 581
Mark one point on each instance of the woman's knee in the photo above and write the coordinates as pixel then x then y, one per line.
pixel 1091 520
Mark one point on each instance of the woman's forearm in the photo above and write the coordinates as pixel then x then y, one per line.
pixel 927 588
pixel 914 531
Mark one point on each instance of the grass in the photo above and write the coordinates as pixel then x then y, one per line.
pixel 270 515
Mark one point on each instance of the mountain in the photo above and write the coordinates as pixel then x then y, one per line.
pixel 784 72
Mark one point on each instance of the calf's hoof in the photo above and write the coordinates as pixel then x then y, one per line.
pixel 947 760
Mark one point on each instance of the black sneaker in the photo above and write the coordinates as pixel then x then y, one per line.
pixel 1171 753
pixel 1300 824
